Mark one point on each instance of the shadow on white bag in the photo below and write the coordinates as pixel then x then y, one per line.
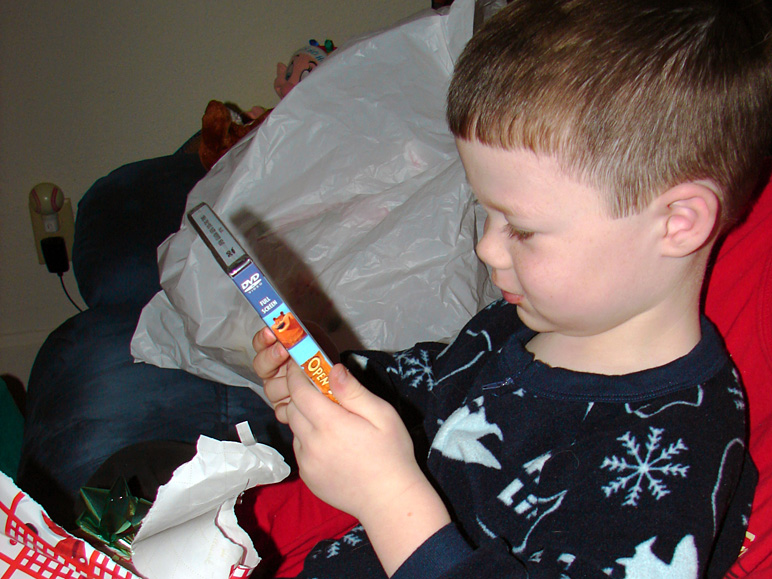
pixel 352 197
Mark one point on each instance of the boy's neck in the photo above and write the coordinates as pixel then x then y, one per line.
pixel 654 340
pixel 658 335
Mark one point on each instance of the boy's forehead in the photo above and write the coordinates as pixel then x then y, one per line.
pixel 522 182
pixel 498 166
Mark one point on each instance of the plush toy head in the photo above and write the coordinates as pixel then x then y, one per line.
pixel 224 124
pixel 301 63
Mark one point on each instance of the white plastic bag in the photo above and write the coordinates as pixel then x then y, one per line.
pixel 352 197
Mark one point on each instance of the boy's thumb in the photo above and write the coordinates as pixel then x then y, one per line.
pixel 348 391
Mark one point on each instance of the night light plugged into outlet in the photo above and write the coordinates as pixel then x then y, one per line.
pixel 52 218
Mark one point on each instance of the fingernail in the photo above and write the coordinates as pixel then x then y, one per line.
pixel 339 372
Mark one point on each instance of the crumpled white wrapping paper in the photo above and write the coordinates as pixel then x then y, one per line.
pixel 191 530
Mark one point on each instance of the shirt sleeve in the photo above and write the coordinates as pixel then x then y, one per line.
pixel 447 555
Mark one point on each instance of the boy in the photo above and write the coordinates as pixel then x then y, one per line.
pixel 590 423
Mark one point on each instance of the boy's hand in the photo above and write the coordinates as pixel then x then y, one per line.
pixel 344 451
pixel 358 457
pixel 270 364
pixel 271 361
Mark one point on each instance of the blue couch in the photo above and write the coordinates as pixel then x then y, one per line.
pixel 87 399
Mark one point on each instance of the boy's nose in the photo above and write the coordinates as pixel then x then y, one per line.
pixel 490 250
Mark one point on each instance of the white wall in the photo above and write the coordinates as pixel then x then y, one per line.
pixel 87 86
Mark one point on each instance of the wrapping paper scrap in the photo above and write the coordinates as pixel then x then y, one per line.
pixel 191 530
pixel 33 546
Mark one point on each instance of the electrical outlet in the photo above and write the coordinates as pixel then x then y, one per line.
pixel 66 229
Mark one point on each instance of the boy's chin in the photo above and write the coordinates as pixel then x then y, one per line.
pixel 535 322
pixel 529 320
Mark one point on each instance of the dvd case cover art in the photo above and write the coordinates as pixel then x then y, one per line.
pixel 262 295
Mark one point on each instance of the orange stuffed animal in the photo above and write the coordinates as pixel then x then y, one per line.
pixel 224 124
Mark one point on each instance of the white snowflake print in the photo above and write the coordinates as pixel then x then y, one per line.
pixel 650 467
pixel 738 397
pixel 415 370
pixel 353 538
pixel 333 549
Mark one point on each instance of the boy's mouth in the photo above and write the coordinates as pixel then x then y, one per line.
pixel 514 299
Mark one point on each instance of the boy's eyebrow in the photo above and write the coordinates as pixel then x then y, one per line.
pixel 512 213
pixel 518 212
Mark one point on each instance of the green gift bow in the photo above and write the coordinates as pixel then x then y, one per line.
pixel 112 517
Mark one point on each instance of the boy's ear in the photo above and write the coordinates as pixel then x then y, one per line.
pixel 689 213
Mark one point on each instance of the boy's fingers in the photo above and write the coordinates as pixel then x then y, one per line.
pixel 276 389
pixel 263 338
pixel 303 399
pixel 270 362
pixel 351 394
pixel 299 384
pixel 306 397
pixel 280 409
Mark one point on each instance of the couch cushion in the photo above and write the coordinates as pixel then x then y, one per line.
pixel 122 219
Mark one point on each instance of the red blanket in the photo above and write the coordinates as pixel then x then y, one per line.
pixel 739 301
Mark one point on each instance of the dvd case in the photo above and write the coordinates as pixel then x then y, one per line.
pixel 259 291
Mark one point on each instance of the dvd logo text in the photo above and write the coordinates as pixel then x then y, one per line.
pixel 250 284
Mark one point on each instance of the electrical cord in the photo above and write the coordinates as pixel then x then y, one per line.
pixel 54 250
pixel 64 287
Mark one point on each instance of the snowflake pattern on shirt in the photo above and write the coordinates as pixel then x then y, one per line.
pixel 553 473
pixel 649 463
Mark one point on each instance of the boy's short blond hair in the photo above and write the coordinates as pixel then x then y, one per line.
pixel 630 96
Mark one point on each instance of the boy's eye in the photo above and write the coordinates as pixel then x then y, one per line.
pixel 518 234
